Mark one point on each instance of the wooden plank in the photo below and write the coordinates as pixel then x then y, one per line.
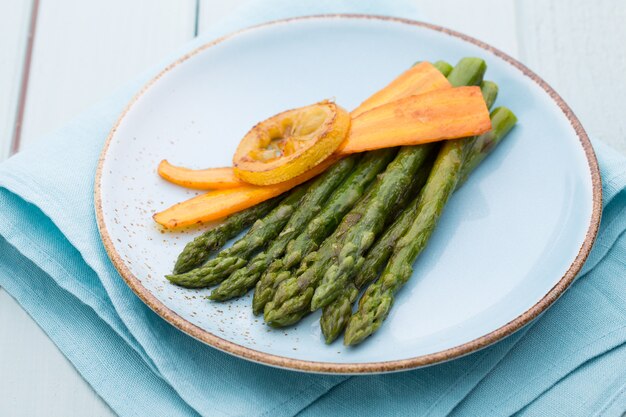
pixel 14 21
pixel 578 47
pixel 84 50
pixel 211 12
pixel 491 21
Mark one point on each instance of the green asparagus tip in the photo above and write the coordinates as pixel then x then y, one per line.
pixel 331 327
pixel 288 312
pixel 182 281
pixel 358 330
pixel 327 293
pixel 375 306
pixel 216 295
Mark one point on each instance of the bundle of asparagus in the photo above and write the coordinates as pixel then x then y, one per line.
pixel 340 233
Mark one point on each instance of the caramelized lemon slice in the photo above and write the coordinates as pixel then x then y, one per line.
pixel 290 143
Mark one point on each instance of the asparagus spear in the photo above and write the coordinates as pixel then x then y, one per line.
pixel 325 251
pixel 381 251
pixel 335 316
pixel 312 221
pixel 198 250
pixel 342 200
pixel 235 257
pixel 310 263
pixel 360 237
pixel 241 280
pixel 293 296
pixel 363 235
pixel 376 303
pixel 484 144
pixel 317 231
pixel 300 212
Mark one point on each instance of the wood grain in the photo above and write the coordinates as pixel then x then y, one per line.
pixel 14 21
pixel 211 12
pixel 84 50
pixel 579 47
pixel 491 21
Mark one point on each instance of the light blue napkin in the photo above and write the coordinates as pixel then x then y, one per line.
pixel 572 361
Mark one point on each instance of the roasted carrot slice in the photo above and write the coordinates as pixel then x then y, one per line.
pixel 420 78
pixel 217 204
pixel 437 115
pixel 199 179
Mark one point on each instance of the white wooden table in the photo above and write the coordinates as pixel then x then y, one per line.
pixel 59 56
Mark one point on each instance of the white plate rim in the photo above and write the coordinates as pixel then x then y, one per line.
pixel 367 367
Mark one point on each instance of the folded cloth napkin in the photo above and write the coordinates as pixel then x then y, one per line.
pixel 572 361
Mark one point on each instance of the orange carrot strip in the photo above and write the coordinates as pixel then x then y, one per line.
pixel 217 204
pixel 199 179
pixel 437 115
pixel 420 78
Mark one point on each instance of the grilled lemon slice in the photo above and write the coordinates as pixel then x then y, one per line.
pixel 290 143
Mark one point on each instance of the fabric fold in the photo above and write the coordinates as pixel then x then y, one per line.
pixel 595 308
pixel 27 231
pixel 103 358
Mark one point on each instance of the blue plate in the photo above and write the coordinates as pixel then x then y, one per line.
pixel 508 245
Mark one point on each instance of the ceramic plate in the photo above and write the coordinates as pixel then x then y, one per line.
pixel 508 245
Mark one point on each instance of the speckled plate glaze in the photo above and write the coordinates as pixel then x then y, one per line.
pixel 508 245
